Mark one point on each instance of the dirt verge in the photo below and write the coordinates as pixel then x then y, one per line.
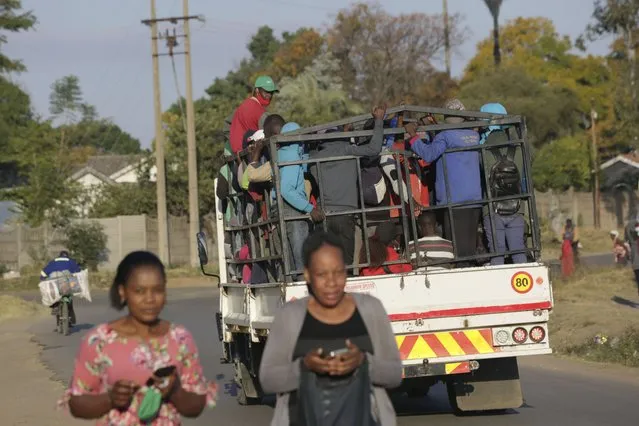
pixel 28 396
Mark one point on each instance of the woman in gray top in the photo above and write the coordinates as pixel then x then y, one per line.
pixel 331 340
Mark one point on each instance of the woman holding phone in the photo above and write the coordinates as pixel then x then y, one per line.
pixel 328 353
pixel 138 369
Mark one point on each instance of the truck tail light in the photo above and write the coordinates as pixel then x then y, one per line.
pixel 537 334
pixel 520 335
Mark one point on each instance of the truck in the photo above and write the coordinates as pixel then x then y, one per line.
pixel 465 327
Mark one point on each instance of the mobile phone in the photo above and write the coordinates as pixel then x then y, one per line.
pixel 164 371
pixel 337 352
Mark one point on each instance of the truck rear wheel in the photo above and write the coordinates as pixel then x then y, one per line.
pixel 494 387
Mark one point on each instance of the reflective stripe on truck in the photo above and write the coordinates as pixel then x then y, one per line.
pixel 445 344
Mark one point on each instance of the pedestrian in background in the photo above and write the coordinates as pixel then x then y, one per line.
pixel 632 238
pixel 331 356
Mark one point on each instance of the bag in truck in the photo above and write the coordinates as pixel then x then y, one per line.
pixel 76 285
pixel 505 180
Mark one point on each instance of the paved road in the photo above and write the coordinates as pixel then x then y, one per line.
pixel 557 392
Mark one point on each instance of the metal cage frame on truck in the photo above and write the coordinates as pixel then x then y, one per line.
pixel 473 120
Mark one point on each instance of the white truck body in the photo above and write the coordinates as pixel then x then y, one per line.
pixel 440 318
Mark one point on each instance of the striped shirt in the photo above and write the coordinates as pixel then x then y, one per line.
pixel 432 249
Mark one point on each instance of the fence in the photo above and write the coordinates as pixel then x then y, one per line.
pixel 616 207
pixel 20 243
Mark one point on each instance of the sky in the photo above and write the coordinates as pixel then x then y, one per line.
pixel 107 47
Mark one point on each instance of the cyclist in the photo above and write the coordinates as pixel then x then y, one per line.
pixel 59 266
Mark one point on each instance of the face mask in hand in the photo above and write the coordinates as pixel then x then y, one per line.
pixel 150 405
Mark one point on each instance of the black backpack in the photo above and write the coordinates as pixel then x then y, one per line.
pixel 505 180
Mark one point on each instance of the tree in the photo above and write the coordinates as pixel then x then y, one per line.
pixel 15 112
pixel 316 95
pixel 13 19
pixel 45 164
pixel 551 112
pixel 532 46
pixel 66 99
pixel 382 56
pixel 87 244
pixel 494 6
pixel 104 136
pixel 618 17
pixel 562 164
pixel 296 53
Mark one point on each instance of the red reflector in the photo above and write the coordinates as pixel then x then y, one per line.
pixel 520 335
pixel 537 334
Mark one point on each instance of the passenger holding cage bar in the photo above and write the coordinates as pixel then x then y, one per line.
pixel 338 181
pixel 458 179
pixel 295 198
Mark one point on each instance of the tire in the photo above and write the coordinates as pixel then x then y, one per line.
pixel 64 319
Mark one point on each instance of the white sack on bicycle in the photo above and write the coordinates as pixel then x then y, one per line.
pixel 76 284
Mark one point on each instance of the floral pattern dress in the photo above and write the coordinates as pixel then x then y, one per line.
pixel 106 357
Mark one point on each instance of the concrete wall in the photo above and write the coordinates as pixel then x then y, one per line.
pixel 124 235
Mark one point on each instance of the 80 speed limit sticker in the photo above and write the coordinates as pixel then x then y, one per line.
pixel 522 282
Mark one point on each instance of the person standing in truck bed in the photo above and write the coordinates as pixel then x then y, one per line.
pixel 460 182
pixel 338 181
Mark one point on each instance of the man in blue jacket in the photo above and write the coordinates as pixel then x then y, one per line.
pixel 460 183
pixel 59 266
pixel 296 201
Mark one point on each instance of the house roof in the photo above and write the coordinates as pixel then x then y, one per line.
pixel 108 165
pixel 622 169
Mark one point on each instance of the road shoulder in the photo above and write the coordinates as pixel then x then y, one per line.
pixel 577 367
pixel 31 398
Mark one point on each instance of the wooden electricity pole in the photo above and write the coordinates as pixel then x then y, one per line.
pixel 595 171
pixel 194 217
pixel 194 205
pixel 163 232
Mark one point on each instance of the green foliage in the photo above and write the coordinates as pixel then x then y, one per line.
pixel 316 95
pixel 86 242
pixel 15 112
pixel 101 134
pixel 551 112
pixel 561 164
pixel 13 19
pixel 66 98
pixel 45 162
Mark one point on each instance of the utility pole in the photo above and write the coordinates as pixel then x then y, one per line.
pixel 446 37
pixel 595 171
pixel 163 231
pixel 194 218
pixel 194 206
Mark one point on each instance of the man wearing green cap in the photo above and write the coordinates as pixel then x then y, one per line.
pixel 247 115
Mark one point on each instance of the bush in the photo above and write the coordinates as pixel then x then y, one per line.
pixel 86 242
pixel 623 349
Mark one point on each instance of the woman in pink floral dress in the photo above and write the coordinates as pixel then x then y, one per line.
pixel 116 362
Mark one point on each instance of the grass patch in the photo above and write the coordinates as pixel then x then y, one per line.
pixel 594 241
pixel 595 316
pixel 101 280
pixel 622 349
pixel 14 307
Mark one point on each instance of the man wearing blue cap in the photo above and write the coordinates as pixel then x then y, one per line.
pixel 504 168
pixel 296 201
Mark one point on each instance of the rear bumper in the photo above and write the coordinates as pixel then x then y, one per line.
pixel 443 365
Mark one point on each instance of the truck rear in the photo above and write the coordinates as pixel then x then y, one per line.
pixel 464 327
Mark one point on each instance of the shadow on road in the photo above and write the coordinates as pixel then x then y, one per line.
pixel 625 302
pixel 81 327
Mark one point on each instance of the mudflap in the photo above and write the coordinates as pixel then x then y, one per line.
pixel 494 386
pixel 248 392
